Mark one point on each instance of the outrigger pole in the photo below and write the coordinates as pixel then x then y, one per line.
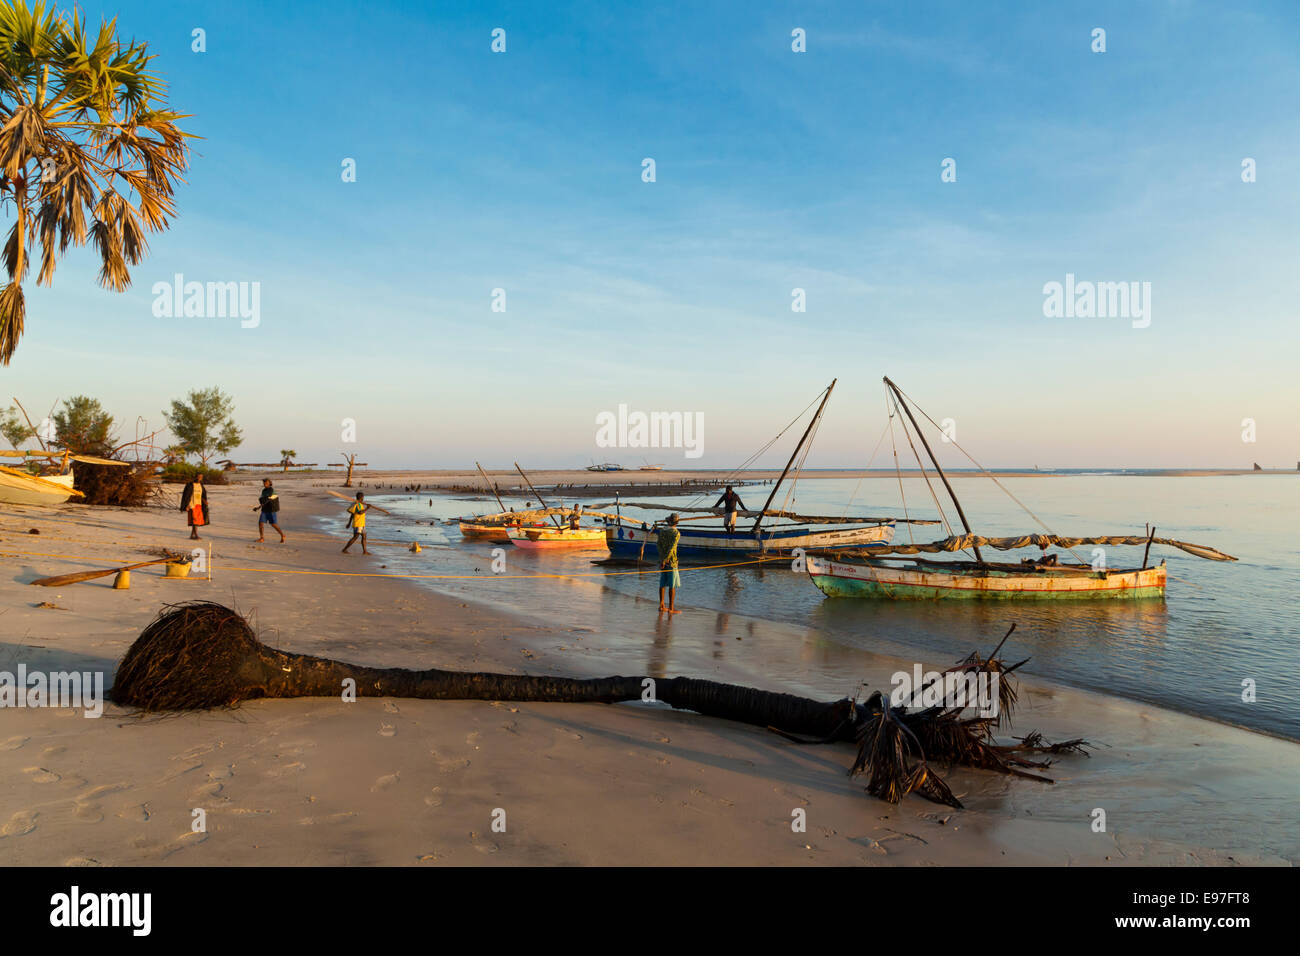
pixel 790 463
pixel 491 487
pixel 944 478
pixel 536 495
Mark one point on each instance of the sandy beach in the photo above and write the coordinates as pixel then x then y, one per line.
pixel 411 782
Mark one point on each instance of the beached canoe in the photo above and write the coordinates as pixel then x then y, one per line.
pixel 20 488
pixel 545 539
pixel 484 532
pixel 878 578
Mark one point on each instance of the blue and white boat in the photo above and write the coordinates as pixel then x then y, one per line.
pixel 640 542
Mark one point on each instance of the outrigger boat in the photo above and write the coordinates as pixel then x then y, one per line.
pixel 22 488
pixel 633 539
pixel 546 539
pixel 883 575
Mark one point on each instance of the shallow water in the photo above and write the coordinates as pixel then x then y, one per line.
pixel 1221 623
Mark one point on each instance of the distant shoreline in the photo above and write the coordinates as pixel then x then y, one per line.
pixel 460 478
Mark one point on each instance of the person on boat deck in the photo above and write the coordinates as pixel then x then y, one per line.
pixel 194 502
pixel 357 522
pixel 669 578
pixel 575 515
pixel 732 501
pixel 269 504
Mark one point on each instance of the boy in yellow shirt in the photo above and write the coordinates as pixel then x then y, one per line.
pixel 357 522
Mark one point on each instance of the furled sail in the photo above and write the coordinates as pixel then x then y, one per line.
pixel 963 542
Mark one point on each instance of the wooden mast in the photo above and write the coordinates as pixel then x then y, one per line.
pixel 944 478
pixel 491 487
pixel 762 511
pixel 536 495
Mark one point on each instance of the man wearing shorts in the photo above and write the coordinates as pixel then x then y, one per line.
pixel 269 505
pixel 668 576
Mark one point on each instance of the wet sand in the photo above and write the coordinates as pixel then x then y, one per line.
pixel 417 782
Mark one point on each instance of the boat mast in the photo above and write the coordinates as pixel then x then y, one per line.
pixel 536 495
pixel 491 487
pixel 794 455
pixel 942 477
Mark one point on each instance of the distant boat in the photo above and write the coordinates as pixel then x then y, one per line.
pixel 649 467
pixel 882 574
pixel 606 466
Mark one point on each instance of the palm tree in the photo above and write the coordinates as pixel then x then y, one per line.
pixel 199 655
pixel 287 455
pixel 88 150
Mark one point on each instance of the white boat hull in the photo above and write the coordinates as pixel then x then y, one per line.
pixel 19 489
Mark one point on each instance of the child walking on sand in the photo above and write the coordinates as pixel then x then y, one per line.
pixel 269 505
pixel 357 522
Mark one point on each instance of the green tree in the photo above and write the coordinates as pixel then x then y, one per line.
pixel 287 455
pixel 88 150
pixel 203 425
pixel 13 428
pixel 83 427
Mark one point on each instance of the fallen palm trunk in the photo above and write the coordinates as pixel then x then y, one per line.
pixel 200 655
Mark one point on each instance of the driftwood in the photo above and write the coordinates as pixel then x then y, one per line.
pixel 77 577
pixel 200 655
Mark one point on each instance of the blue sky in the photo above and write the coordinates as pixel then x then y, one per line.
pixel 775 170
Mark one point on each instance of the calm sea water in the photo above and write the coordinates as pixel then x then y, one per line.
pixel 1221 623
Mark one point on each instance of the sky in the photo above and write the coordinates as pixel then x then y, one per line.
pixel 774 170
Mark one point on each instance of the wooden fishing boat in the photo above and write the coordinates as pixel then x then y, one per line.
pixel 877 578
pixel 547 538
pixel 641 542
pixel 473 531
pixel 634 539
pixel 20 488
pixel 886 572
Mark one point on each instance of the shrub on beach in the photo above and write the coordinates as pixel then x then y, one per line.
pixel 183 471
pixel 131 487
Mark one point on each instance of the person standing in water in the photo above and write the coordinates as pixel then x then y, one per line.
pixel 575 516
pixel 269 504
pixel 194 502
pixel 357 522
pixel 669 578
pixel 732 501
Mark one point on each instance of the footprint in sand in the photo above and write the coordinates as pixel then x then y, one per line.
pixel 471 739
pixel 434 799
pixel 386 781
pixel 41 775
pixel 450 764
pixel 183 841
pixel 391 707
pixel 52 751
pixel 82 861
pixel 20 824
pixel 331 818
pixel 13 743
pixel 208 790
pixel 137 814
pixel 387 730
